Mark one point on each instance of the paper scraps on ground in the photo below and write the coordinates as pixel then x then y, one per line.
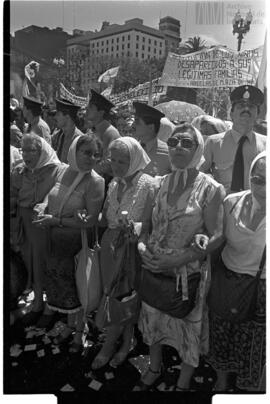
pixel 141 363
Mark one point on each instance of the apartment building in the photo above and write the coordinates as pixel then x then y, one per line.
pixel 90 54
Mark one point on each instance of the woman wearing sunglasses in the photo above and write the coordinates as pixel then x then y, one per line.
pixel 240 348
pixel 188 203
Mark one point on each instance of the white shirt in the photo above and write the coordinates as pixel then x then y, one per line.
pixel 244 247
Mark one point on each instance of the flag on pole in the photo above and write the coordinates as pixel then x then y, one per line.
pixel 30 84
pixel 107 92
pixel 108 75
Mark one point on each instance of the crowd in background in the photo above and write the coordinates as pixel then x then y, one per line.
pixel 194 191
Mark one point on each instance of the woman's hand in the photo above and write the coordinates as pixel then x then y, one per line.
pixel 46 221
pixel 164 263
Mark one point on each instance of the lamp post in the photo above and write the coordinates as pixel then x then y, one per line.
pixel 59 62
pixel 241 26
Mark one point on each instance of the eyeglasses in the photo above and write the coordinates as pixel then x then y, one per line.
pixel 32 151
pixel 257 180
pixel 90 153
pixel 185 143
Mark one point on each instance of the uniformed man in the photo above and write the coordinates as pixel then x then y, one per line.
pixel 32 110
pixel 228 155
pixel 66 113
pixel 97 109
pixel 147 124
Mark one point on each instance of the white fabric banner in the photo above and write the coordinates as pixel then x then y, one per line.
pixel 215 67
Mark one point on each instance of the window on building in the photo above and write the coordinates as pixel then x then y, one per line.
pixel 117 55
pixel 107 42
pixel 123 38
pixel 137 37
pixel 97 51
pixel 148 57
pixel 117 40
pixel 142 55
pixel 122 53
pixel 97 44
pixel 142 47
pixel 107 50
pixel 128 37
pixel 112 40
pixel 128 45
pixel 137 46
pixel 117 47
pixel 160 52
pixel 136 54
pixel 160 44
pixel 128 53
pixel 102 50
pixel 149 40
pixel 149 49
pixel 102 43
pixel 155 51
pixel 112 48
pixel 123 46
pixel 143 39
pixel 155 43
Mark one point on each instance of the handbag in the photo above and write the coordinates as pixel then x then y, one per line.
pixel 162 292
pixel 121 303
pixel 232 296
pixel 87 274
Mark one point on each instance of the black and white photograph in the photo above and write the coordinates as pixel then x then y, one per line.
pixel 135 200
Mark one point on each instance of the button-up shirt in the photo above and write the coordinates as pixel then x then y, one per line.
pixel 219 154
pixel 159 154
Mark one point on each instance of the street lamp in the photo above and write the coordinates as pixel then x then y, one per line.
pixel 59 62
pixel 241 26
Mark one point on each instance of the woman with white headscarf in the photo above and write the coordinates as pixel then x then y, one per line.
pixel 30 182
pixel 188 204
pixel 240 348
pixel 132 191
pixel 80 189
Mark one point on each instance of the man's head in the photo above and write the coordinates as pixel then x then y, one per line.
pixel 98 106
pixel 31 108
pixel 147 121
pixel 246 101
pixel 66 112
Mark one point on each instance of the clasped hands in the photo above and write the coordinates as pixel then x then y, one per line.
pixel 166 263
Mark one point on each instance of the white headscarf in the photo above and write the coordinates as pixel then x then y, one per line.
pixel 255 204
pixel 166 129
pixel 72 157
pixel 138 157
pixel 48 155
pixel 196 162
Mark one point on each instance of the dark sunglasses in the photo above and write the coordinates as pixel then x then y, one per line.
pixel 185 143
pixel 257 180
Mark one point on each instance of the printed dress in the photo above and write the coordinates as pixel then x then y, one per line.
pixel 173 229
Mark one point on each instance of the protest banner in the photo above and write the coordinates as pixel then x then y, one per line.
pixel 140 92
pixel 80 101
pixel 214 67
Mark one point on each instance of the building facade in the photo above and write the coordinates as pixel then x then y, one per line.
pixel 91 54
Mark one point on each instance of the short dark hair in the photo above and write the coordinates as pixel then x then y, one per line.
pixel 149 120
pixel 90 139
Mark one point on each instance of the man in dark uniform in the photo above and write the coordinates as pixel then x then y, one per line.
pixel 66 113
pixel 147 124
pixel 32 110
pixel 228 155
pixel 98 108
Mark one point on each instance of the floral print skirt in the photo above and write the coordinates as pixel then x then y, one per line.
pixel 240 348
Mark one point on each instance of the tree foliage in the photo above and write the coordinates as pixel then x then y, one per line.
pixel 194 44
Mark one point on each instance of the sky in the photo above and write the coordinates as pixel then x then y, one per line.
pixel 211 20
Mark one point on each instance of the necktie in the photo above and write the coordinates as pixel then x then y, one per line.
pixel 238 167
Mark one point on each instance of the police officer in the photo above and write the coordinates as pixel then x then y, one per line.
pixel 32 110
pixel 66 115
pixel 228 155
pixel 147 124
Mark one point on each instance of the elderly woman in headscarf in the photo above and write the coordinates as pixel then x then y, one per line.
pixel 240 348
pixel 80 189
pixel 132 191
pixel 188 204
pixel 209 125
pixel 30 183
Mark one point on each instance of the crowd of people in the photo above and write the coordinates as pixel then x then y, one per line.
pixel 194 195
